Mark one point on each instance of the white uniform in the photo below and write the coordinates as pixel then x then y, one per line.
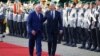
pixel 9 15
pixel 86 21
pixel 1 10
pixel 19 19
pixel 14 17
pixel 98 12
pixel 64 18
pixel 25 17
pixel 92 17
pixel 80 17
pixel 66 14
pixel 72 18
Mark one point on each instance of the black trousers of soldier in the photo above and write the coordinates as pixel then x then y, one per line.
pixel 94 38
pixel 72 38
pixel 15 28
pixel 66 34
pixel 71 35
pixel 24 24
pixel 85 36
pixel 20 30
pixel 12 28
pixel 98 39
pixel 10 25
pixel 1 28
pixel 89 41
pixel 78 34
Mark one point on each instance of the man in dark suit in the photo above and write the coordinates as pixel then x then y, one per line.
pixel 34 25
pixel 53 20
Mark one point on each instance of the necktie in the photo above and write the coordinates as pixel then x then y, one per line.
pixel 52 14
pixel 39 15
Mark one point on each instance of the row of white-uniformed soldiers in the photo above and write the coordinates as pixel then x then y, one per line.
pixel 15 14
pixel 82 25
pixel 17 23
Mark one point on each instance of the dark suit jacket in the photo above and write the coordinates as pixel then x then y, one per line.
pixel 34 23
pixel 53 25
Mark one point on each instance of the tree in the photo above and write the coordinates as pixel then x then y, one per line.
pixel 3 0
pixel 62 1
pixel 87 0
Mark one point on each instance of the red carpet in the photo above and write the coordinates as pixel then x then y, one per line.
pixel 7 49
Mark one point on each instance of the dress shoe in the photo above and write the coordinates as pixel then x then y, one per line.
pixel 73 45
pixel 69 44
pixel 31 55
pixel 58 42
pixel 82 47
pixel 88 48
pixel 65 44
pixel 98 49
pixel 92 49
pixel 51 55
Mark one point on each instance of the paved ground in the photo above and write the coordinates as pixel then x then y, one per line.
pixel 61 49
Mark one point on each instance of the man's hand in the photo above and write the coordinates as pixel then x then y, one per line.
pixel 61 31
pixel 33 32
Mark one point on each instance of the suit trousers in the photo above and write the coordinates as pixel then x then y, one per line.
pixel 35 40
pixel 52 43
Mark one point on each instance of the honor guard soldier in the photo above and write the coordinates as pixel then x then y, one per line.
pixel 92 26
pixel 97 12
pixel 2 18
pixel 72 22
pixel 85 26
pixel 26 14
pixel 80 17
pixel 15 22
pixel 19 25
pixel 66 13
pixel 9 16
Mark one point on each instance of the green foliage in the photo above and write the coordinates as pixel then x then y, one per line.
pixel 88 0
pixel 3 0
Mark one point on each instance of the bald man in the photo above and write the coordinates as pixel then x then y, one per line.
pixel 34 24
